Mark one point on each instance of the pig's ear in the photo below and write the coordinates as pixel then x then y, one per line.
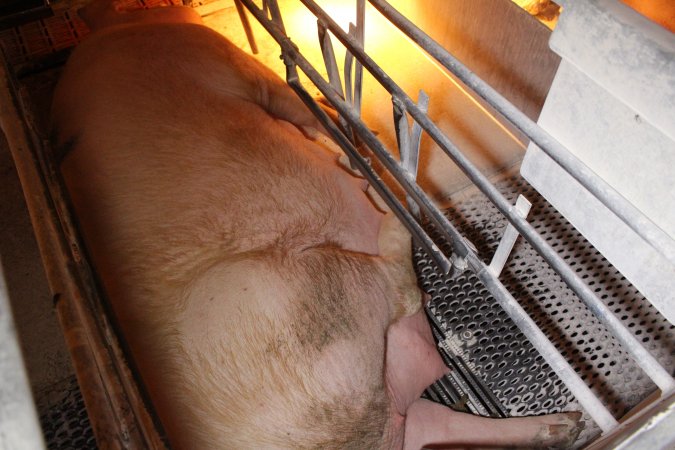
pixel 429 423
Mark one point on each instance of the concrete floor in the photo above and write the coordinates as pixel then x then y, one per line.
pixel 42 343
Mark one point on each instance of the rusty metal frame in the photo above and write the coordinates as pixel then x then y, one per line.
pixel 119 415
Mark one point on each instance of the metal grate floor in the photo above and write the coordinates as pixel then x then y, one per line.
pixel 487 341
pixel 64 420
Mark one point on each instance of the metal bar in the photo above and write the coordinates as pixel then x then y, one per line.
pixel 273 8
pixel 411 160
pixel 508 238
pixel 363 166
pixel 332 70
pixel 360 38
pixel 402 134
pixel 247 26
pixel 349 60
pixel 329 59
pixel 649 364
pixel 616 203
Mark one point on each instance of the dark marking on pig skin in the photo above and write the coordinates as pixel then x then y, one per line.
pixel 61 149
pixel 327 304
pixel 340 412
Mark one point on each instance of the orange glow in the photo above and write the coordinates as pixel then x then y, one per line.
pixel 545 11
pixel 301 24
pixel 659 11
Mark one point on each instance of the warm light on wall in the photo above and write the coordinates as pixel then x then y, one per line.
pixel 545 10
pixel 301 24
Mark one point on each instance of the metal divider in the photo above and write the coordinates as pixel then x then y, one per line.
pixel 463 253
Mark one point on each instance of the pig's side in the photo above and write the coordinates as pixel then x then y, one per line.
pixel 241 261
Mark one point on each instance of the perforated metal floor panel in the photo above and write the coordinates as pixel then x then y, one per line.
pixel 491 345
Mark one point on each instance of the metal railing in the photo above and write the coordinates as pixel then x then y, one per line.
pixel 464 256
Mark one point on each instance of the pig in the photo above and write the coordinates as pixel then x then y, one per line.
pixel 265 299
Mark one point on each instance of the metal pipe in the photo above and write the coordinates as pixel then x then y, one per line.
pixel 360 36
pixel 649 364
pixel 247 26
pixel 616 203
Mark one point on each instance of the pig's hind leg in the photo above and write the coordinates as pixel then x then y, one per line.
pixel 412 363
pixel 430 425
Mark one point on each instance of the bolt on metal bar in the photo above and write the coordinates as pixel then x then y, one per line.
pixel 549 352
pixel 616 203
pixel 508 238
pixel 647 362
pixel 409 142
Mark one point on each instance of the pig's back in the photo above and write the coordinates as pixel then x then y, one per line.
pixel 177 170
pixel 176 163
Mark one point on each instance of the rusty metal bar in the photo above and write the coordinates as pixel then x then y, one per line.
pixel 118 413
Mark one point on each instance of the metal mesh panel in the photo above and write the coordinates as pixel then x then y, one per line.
pixel 27 44
pixel 490 343
pixel 64 419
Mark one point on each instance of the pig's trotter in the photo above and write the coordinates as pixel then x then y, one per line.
pixel 566 431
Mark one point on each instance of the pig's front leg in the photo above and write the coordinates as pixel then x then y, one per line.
pixel 413 363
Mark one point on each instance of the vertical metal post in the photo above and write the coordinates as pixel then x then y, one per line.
pixel 360 38
pixel 247 26
pixel 509 238
pixel 409 142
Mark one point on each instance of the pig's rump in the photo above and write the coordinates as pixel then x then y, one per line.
pixel 238 257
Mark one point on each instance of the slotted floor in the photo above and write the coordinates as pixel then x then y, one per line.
pixel 481 334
